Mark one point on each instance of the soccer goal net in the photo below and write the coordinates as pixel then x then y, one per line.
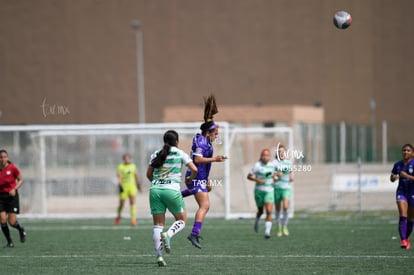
pixel 70 170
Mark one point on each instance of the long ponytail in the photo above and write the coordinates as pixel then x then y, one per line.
pixel 210 109
pixel 170 139
pixel 159 160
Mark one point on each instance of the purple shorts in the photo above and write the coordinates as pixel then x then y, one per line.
pixel 403 196
pixel 198 185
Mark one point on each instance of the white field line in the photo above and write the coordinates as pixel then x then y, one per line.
pixel 149 227
pixel 217 256
pixel 87 227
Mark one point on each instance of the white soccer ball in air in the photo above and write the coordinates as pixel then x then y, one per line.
pixel 342 20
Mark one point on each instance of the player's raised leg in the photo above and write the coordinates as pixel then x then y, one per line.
pixel 176 206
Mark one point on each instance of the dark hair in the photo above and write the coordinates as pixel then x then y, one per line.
pixel 210 109
pixel 170 139
pixel 4 151
pixel 207 126
pixel 408 145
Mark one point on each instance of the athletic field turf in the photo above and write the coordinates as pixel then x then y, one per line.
pixel 319 243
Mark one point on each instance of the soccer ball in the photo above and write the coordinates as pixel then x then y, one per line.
pixel 342 20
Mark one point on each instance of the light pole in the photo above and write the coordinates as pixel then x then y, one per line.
pixel 136 25
pixel 373 107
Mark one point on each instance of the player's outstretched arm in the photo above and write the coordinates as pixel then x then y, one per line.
pixel 203 160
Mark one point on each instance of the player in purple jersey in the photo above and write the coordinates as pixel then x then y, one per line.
pixel 403 170
pixel 202 155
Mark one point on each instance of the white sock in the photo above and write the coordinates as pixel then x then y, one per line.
pixel 277 218
pixel 176 227
pixel 268 227
pixel 285 218
pixel 156 236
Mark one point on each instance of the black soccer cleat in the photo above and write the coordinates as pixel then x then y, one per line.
pixel 195 240
pixel 256 227
pixel 9 245
pixel 22 234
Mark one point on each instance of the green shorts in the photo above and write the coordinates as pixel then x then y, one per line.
pixel 262 197
pixel 128 190
pixel 162 199
pixel 281 193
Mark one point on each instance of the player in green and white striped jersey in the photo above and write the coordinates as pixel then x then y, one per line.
pixel 164 172
pixel 263 173
pixel 283 189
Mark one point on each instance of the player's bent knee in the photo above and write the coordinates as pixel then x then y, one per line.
pixel 204 207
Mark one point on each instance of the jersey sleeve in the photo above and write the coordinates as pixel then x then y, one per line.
pixel 153 156
pixel 16 172
pixel 253 171
pixel 200 146
pixel 185 158
pixel 395 169
pixel 411 168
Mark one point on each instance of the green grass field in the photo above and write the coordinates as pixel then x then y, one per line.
pixel 322 243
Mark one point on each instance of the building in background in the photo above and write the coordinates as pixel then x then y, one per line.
pixel 66 62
